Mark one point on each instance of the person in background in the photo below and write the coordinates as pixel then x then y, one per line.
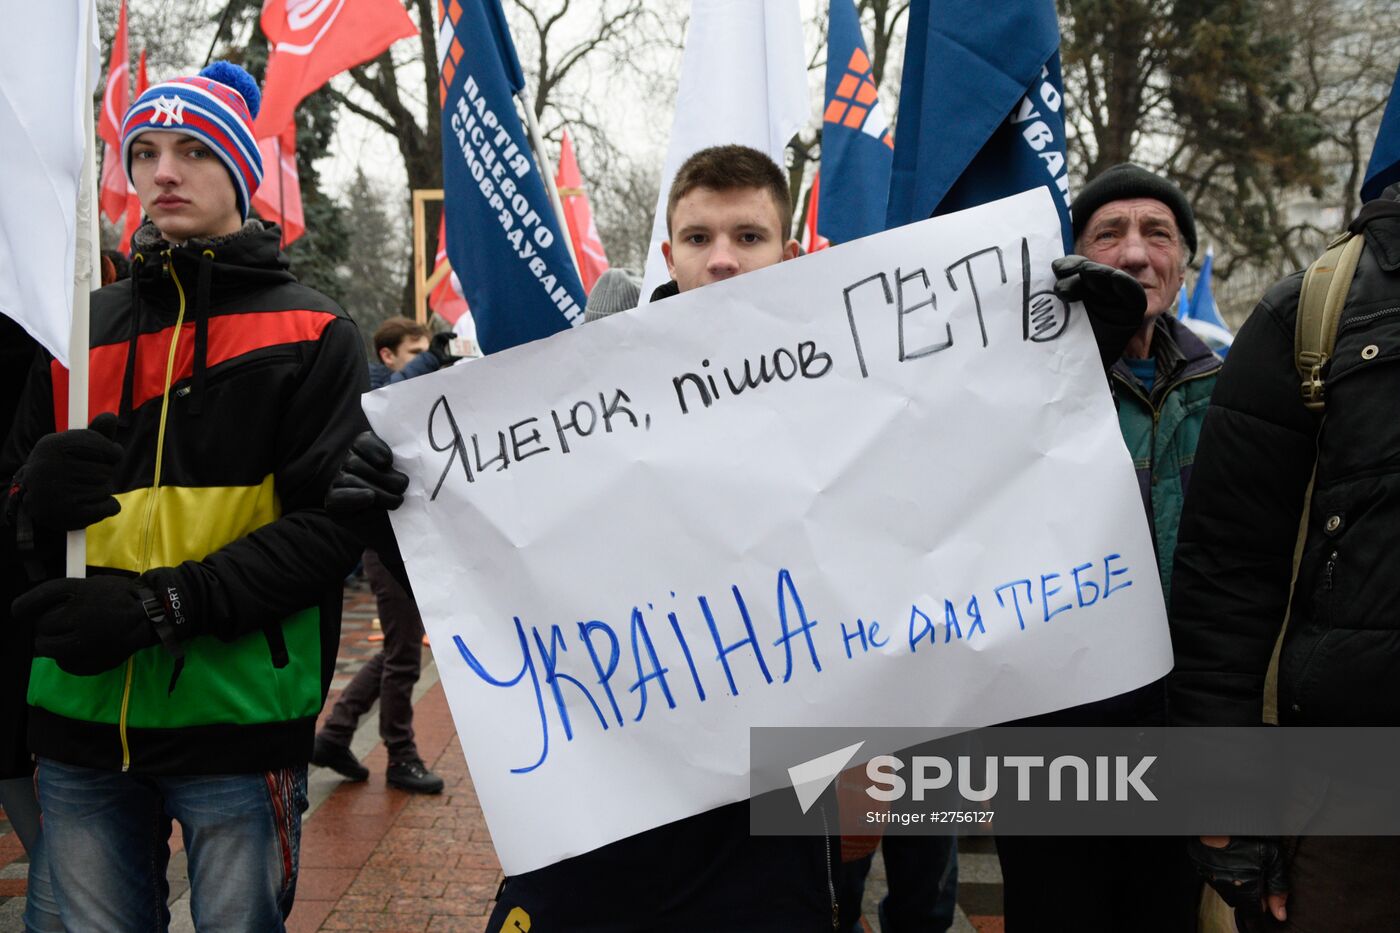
pixel 616 290
pixel 403 348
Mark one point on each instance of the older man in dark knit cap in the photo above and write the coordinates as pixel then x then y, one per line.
pixel 1132 220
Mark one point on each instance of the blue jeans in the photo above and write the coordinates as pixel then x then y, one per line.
pixel 17 795
pixel 107 838
pixel 40 908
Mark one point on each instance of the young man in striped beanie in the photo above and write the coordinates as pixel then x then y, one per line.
pixel 182 678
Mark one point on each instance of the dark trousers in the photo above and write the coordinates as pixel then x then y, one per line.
pixel 922 874
pixel 389 676
pixel 1337 884
pixel 1088 884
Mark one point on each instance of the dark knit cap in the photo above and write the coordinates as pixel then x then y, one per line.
pixel 1125 181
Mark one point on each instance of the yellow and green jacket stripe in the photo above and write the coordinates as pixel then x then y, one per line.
pixel 238 391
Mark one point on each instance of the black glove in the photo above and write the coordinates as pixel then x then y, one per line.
pixel 441 347
pixel 66 483
pixel 367 480
pixel 1243 871
pixel 1114 301
pixel 91 625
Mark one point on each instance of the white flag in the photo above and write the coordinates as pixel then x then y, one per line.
pixel 743 80
pixel 48 73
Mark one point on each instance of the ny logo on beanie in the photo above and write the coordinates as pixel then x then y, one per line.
pixel 168 110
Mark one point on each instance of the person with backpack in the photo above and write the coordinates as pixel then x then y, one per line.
pixel 1308 402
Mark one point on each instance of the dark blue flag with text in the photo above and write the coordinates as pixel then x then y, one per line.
pixel 981 109
pixel 857 148
pixel 503 237
pixel 1384 168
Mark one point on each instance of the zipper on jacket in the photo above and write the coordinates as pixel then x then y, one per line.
pixel 1136 390
pixel 1327 573
pixel 1365 319
pixel 1156 410
pixel 155 491
pixel 830 875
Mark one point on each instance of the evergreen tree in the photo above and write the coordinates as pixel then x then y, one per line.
pixel 376 255
pixel 1201 90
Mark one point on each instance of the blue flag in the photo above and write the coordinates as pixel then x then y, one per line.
pixel 1202 300
pixel 1384 168
pixel 857 148
pixel 980 109
pixel 503 237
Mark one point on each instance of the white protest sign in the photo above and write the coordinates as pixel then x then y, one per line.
pixel 879 485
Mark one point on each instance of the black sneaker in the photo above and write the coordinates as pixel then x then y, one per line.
pixel 413 776
pixel 339 759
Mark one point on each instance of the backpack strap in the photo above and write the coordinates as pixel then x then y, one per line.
pixel 1325 287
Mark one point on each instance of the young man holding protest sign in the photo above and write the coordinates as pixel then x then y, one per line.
pixel 729 212
pixel 705 871
pixel 182 679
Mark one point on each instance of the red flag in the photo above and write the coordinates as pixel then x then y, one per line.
pixel 811 239
pixel 111 197
pixel 583 232
pixel 447 299
pixel 133 203
pixel 311 40
pixel 279 197
pixel 115 99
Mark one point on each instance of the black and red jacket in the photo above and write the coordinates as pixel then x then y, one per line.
pixel 237 391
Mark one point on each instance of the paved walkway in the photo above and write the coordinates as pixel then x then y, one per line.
pixel 374 858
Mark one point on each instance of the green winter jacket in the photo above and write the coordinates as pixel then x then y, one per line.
pixel 1161 431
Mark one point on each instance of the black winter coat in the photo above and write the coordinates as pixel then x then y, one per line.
pixel 1340 663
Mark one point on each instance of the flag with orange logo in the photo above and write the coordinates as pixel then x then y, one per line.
pixel 506 241
pixel 588 246
pixel 857 148
pixel 115 98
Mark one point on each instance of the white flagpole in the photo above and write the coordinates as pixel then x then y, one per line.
pixel 87 275
pixel 547 170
